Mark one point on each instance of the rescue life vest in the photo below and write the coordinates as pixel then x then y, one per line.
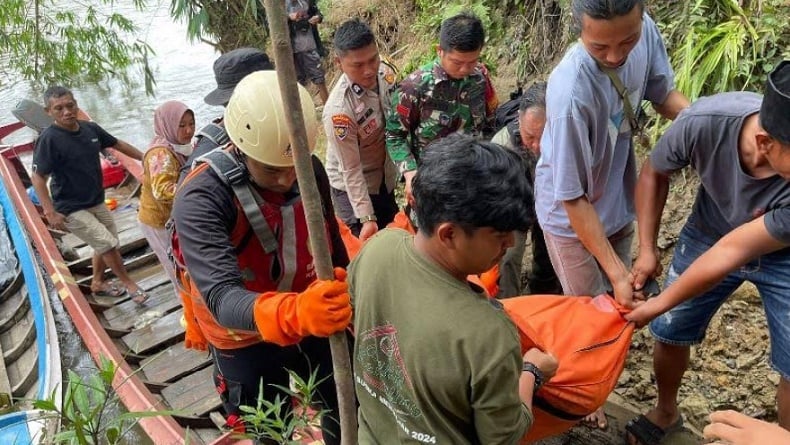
pixel 264 265
pixel 590 339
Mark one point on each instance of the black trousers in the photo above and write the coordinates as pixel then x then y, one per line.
pixel 384 206
pixel 239 373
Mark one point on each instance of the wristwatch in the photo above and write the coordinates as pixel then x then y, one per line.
pixel 367 218
pixel 534 370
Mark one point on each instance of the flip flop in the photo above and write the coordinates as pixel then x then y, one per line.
pixel 648 433
pixel 140 297
pixel 109 290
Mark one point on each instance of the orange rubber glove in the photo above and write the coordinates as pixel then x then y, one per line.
pixel 193 336
pixel 321 310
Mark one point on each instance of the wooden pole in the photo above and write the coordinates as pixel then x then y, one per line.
pixel 286 74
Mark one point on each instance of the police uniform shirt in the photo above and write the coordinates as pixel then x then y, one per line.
pixel 356 156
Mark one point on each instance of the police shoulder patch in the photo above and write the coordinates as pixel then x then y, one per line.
pixel 341 122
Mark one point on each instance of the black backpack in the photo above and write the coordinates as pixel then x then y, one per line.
pixel 508 111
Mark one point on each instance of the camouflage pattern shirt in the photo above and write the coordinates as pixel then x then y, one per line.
pixel 430 105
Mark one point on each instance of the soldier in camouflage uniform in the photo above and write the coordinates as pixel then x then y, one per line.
pixel 361 174
pixel 451 94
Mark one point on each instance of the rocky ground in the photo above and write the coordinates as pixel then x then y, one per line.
pixel 730 368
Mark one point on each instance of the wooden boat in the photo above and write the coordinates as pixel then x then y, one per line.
pixel 155 371
pixel 29 349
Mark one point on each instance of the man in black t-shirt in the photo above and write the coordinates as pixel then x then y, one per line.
pixel 68 152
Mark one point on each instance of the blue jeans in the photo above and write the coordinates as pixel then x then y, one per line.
pixel 685 324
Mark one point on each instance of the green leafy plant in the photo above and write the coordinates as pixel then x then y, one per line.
pixel 45 43
pixel 223 24
pixel 85 415
pixel 279 419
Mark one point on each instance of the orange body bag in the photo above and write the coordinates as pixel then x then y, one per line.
pixel 590 339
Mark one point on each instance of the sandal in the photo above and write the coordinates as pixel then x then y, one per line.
pixel 646 432
pixel 109 290
pixel 140 297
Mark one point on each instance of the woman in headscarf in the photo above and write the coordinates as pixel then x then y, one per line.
pixel 174 126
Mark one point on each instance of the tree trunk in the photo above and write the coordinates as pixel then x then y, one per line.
pixel 283 59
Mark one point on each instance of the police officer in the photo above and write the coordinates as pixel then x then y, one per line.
pixel 360 171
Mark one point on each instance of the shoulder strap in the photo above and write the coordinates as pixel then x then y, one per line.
pixel 229 171
pixel 215 133
pixel 623 93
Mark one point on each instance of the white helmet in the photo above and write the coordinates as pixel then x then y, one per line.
pixel 255 119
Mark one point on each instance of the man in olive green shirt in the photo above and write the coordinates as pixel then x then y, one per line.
pixel 435 360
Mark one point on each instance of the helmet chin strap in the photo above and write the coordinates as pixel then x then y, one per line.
pixel 241 160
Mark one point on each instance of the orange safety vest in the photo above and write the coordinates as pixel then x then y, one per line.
pixel 283 270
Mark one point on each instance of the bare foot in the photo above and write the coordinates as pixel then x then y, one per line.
pixel 596 419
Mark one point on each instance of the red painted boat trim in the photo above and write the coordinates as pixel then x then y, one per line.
pixel 131 390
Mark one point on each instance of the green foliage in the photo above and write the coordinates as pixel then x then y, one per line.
pixel 224 24
pixel 87 406
pixel 48 44
pixel 277 420
pixel 531 32
pixel 724 45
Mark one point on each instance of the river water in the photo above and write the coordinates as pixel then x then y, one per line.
pixel 183 71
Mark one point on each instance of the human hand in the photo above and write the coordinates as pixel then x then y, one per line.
pixel 57 221
pixel 322 309
pixel 645 312
pixel 623 289
pixel 734 428
pixel 369 228
pixel 408 177
pixel 646 266
pixel 325 306
pixel 547 363
pixel 294 16
pixel 314 20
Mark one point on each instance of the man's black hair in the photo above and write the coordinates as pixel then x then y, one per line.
pixel 55 92
pixel 534 97
pixel 602 9
pixel 352 34
pixel 463 32
pixel 473 184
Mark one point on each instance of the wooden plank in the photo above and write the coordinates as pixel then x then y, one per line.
pixel 194 394
pixel 125 315
pixel 19 338
pixel 174 363
pixel 148 276
pixel 23 373
pixel 5 385
pixel 13 309
pixel 161 333
pixel 12 287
